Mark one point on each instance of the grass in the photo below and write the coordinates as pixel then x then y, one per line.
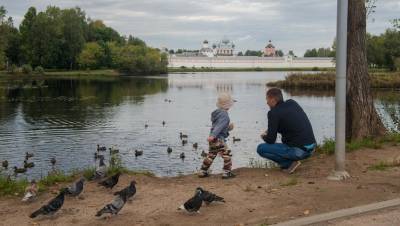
pixel 328 146
pixel 326 81
pixel 12 187
pixel 9 187
pixel 382 166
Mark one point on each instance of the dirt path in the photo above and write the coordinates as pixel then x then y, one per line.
pixel 254 197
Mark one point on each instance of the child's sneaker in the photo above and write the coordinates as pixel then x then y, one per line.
pixel 228 175
pixel 203 174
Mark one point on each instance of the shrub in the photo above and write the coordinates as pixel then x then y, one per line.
pixel 26 69
pixel 39 70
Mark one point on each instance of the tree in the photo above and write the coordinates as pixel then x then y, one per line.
pixel 74 22
pixel 291 53
pixel 90 56
pixel 362 118
pixel 26 31
pixel 280 53
pixel 240 53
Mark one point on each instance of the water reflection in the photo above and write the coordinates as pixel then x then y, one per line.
pixel 66 117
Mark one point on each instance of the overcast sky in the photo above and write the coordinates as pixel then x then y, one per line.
pixel 290 24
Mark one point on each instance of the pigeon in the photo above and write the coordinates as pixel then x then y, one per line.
pixel 101 170
pixel 203 154
pixel 145 126
pixel 76 188
pixel 195 145
pixel 19 170
pixel 28 155
pixel 183 136
pixel 101 148
pixel 30 192
pixel 111 181
pixel 182 155
pixel 138 153
pixel 194 203
pixel 236 139
pixel 163 123
pixel 5 164
pixel 129 191
pixel 114 207
pixel 51 207
pixel 209 197
pixel 28 164
pixel 169 150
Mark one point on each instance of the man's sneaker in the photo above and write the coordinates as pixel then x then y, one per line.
pixel 293 167
pixel 203 174
pixel 228 175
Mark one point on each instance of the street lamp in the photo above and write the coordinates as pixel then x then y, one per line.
pixel 340 103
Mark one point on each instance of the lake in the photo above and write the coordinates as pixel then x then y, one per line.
pixel 66 118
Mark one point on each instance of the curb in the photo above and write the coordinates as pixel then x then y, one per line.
pixel 341 213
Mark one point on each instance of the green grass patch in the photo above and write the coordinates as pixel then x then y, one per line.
pixel 381 166
pixel 328 145
pixel 56 177
pixel 326 80
pixel 12 187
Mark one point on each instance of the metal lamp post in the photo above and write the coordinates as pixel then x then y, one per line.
pixel 340 103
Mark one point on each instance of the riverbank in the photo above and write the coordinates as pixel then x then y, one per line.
pixel 257 196
pixel 326 81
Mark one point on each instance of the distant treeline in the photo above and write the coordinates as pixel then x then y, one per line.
pixel 67 39
pixel 383 51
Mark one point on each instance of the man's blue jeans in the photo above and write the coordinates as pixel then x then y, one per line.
pixel 282 154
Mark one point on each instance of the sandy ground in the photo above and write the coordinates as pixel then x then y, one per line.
pixel 254 197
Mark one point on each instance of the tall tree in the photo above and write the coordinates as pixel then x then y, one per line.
pixel 362 118
pixel 26 31
pixel 74 27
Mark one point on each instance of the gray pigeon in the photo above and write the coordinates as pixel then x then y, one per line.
pixel 129 191
pixel 101 170
pixel 76 188
pixel 114 207
pixel 194 203
pixel 209 197
pixel 52 207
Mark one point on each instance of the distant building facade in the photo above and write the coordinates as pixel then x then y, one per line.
pixel 269 50
pixel 206 50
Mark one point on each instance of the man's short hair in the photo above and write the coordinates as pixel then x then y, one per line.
pixel 275 93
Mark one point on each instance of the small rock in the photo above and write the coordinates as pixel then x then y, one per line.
pixel 259 186
pixel 311 182
pixel 266 175
pixel 306 212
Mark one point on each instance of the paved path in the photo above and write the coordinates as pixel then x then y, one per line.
pixel 386 217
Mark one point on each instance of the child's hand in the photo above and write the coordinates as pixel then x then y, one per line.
pixel 210 139
pixel 231 126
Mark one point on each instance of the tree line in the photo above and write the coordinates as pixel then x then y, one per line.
pixel 67 39
pixel 383 51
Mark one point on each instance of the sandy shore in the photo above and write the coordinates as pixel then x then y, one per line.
pixel 254 197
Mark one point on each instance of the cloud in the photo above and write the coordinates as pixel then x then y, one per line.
pixel 291 25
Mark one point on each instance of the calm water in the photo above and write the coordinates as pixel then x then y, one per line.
pixel 66 118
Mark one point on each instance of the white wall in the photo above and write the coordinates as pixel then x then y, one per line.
pixel 250 62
